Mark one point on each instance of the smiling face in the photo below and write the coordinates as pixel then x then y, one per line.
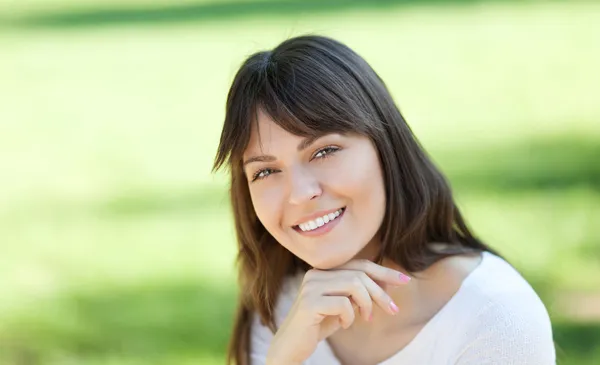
pixel 323 199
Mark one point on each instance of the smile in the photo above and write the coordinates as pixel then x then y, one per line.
pixel 321 224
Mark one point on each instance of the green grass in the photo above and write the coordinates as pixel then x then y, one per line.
pixel 117 245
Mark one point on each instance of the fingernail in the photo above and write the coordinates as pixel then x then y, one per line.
pixel 404 278
pixel 394 307
pixel 370 317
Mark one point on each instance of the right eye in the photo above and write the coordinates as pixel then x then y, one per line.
pixel 262 174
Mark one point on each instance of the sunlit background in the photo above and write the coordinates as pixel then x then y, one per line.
pixel 116 242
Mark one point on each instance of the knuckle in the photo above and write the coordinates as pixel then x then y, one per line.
pixel 350 312
pixel 356 282
pixel 363 275
pixel 364 263
pixel 347 305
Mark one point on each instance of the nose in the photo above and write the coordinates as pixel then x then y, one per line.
pixel 304 186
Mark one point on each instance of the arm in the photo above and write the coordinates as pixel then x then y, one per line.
pixel 260 341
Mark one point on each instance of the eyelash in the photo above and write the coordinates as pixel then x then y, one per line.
pixel 330 150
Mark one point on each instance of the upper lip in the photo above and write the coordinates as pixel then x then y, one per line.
pixel 315 216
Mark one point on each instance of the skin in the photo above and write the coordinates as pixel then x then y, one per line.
pixel 333 172
pixel 290 179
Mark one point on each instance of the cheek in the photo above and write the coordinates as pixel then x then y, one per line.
pixel 267 202
pixel 358 179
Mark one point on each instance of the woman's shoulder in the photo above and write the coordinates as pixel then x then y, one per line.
pixel 497 288
pixel 497 282
pixel 497 310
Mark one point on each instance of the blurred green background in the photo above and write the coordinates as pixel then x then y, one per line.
pixel 116 242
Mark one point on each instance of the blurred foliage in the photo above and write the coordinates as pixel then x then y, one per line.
pixel 117 243
pixel 65 13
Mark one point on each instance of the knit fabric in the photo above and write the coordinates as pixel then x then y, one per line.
pixel 494 318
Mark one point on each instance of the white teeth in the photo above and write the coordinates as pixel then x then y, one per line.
pixel 319 222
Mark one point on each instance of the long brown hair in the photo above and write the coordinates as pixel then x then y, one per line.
pixel 310 86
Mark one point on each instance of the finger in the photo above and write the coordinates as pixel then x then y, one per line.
pixel 350 284
pixel 376 272
pixel 337 306
pixel 361 288
pixel 378 295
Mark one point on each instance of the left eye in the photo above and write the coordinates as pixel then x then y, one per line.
pixel 325 151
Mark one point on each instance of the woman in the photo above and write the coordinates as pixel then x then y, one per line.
pixel 351 247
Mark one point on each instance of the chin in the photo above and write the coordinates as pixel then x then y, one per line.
pixel 326 262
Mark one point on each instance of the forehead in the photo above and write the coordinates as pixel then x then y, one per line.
pixel 266 136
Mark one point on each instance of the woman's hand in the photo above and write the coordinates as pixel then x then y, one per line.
pixel 326 302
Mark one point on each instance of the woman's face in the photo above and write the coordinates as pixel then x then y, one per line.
pixel 322 199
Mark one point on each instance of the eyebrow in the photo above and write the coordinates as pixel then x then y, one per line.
pixel 268 158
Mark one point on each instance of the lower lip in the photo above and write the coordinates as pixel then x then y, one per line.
pixel 323 229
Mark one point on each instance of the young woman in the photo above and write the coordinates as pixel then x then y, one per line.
pixel 351 247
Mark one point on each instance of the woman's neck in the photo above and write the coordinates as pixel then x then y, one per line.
pixel 420 299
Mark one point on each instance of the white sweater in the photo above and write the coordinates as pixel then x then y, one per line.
pixel 494 318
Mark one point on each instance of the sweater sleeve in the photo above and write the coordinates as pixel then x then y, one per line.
pixel 510 332
pixel 260 340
